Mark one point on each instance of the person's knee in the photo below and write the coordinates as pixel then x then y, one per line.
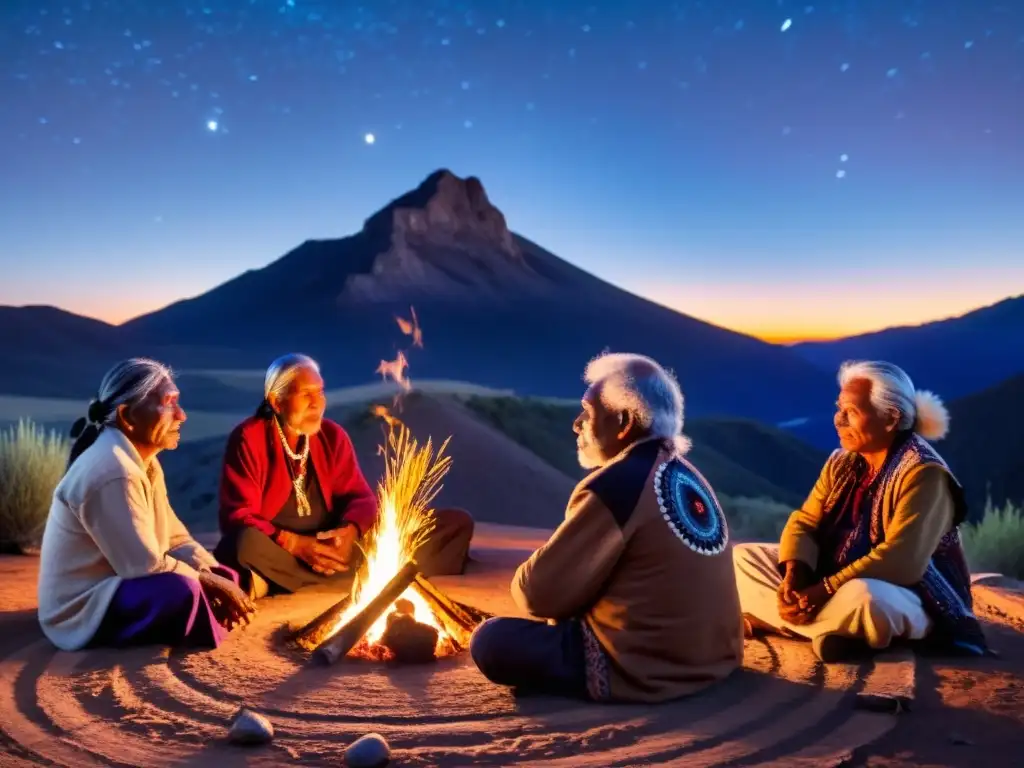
pixel 857 594
pixel 872 615
pixel 484 646
pixel 250 545
pixel 180 590
pixel 458 521
pixel 742 554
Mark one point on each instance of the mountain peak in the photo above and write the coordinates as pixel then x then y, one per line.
pixel 445 206
pixel 443 239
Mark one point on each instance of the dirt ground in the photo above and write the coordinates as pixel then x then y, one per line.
pixel 154 708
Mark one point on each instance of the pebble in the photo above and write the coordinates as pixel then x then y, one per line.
pixel 250 727
pixel 369 751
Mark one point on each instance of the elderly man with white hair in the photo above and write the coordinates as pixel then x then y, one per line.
pixel 635 589
pixel 874 554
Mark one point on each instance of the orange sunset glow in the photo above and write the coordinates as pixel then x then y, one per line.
pixel 806 313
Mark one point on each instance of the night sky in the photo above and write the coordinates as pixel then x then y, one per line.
pixel 786 169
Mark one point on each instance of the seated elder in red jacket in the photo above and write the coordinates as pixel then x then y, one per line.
pixel 293 500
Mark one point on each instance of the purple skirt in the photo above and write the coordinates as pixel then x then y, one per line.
pixel 162 609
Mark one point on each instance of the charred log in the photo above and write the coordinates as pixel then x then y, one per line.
pixel 338 645
pixel 323 626
pixel 458 619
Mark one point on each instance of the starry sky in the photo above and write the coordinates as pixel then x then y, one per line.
pixel 791 170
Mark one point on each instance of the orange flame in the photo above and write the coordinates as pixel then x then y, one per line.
pixel 412 478
pixel 381 411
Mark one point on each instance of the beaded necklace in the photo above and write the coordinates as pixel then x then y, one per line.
pixel 298 481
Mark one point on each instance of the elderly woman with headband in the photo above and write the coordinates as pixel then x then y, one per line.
pixel 874 554
pixel 294 501
pixel 117 566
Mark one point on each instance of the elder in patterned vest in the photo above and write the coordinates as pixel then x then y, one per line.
pixel 874 554
pixel 634 596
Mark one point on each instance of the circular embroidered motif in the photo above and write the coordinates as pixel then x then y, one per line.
pixel 690 508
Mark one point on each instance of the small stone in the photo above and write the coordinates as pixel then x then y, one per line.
pixel 369 751
pixel 960 741
pixel 250 727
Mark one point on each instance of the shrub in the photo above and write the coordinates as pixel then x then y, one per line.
pixel 996 542
pixel 31 464
pixel 754 520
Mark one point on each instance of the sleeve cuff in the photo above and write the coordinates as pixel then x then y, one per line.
pixel 799 548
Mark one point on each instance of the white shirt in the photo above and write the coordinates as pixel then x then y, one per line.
pixel 110 520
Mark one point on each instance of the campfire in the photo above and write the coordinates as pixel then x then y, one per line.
pixel 394 613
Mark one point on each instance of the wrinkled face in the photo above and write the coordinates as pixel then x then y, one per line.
pixel 861 428
pixel 302 406
pixel 154 424
pixel 599 432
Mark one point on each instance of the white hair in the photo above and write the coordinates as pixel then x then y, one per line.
pixel 636 384
pixel 127 383
pixel 283 371
pixel 892 390
pixel 280 375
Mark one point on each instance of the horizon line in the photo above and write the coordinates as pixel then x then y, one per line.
pixel 776 338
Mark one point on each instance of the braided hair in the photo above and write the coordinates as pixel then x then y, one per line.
pixel 129 382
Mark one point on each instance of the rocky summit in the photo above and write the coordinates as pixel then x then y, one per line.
pixel 443 240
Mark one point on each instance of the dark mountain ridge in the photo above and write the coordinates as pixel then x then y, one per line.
pixel 985 445
pixel 953 357
pixel 495 309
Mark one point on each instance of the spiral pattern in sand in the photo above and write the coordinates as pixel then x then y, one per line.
pixel 151 707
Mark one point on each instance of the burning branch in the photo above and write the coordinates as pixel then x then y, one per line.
pixel 323 626
pixel 352 632
pixel 424 624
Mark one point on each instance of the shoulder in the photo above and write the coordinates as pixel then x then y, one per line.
pixel 249 438
pixel 103 462
pixel 620 484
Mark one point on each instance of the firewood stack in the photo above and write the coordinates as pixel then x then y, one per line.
pixel 409 641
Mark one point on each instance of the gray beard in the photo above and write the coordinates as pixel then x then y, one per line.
pixel 586 460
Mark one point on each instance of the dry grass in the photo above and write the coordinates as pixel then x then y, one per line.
pixel 32 462
pixel 754 520
pixel 996 542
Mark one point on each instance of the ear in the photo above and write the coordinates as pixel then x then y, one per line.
pixel 124 420
pixel 275 402
pixel 893 421
pixel 626 424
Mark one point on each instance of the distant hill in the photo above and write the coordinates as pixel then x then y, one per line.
pixel 520 476
pixel 738 457
pixel 495 309
pixel 985 445
pixel 58 354
pixel 953 357
pixel 51 353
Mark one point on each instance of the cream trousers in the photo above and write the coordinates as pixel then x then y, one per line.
pixel 869 609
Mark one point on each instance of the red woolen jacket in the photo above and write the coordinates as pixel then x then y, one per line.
pixel 255 482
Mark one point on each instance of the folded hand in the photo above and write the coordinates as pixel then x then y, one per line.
pixel 334 549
